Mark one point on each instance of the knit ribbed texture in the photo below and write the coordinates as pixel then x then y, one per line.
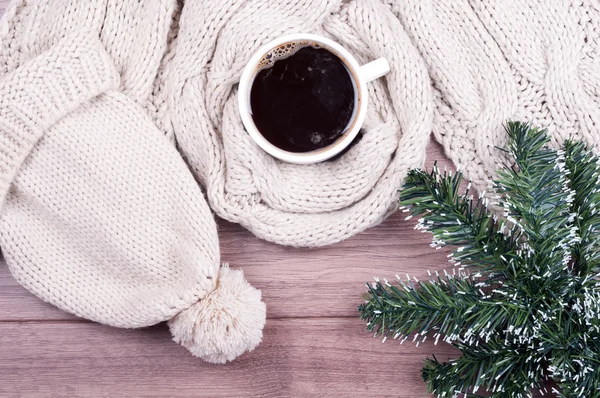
pixel 298 205
pixel 536 61
pixel 102 216
pixel 36 96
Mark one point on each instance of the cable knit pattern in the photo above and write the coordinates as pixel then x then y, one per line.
pixel 134 33
pixel 298 205
pixel 101 216
pixel 491 61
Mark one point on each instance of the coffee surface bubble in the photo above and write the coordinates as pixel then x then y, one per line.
pixel 283 51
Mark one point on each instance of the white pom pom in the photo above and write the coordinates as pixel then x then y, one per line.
pixel 224 324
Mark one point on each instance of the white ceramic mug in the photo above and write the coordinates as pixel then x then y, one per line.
pixel 361 75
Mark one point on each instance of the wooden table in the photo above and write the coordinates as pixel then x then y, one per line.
pixel 313 344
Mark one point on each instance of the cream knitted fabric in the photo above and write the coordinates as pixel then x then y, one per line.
pixel 308 205
pixel 100 215
pixel 490 61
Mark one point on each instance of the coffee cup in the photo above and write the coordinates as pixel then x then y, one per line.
pixel 301 105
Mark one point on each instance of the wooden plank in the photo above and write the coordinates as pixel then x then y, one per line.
pixel 319 282
pixel 299 357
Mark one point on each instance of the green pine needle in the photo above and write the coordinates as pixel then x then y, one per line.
pixel 524 306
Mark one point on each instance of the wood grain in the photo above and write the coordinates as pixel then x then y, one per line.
pixel 299 357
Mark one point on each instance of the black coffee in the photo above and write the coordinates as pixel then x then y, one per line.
pixel 303 101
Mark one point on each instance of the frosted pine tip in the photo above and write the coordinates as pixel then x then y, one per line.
pixel 224 324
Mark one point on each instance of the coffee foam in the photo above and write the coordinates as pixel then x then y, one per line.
pixel 283 51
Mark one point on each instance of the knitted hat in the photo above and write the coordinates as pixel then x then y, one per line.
pixel 100 216
pixel 491 61
pixel 298 205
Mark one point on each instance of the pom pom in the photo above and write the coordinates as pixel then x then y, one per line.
pixel 224 324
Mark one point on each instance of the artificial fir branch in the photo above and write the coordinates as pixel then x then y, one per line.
pixel 527 309
pixel 456 219
pixel 450 307
pixel 498 367
pixel 585 181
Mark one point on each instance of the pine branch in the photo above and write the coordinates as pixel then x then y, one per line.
pixel 574 342
pixel 536 198
pixel 584 177
pixel 530 310
pixel 457 220
pixel 577 370
pixel 496 367
pixel 454 307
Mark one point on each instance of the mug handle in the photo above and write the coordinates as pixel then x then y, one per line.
pixel 374 69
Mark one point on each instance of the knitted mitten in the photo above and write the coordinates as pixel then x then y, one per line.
pixel 491 61
pixel 299 205
pixel 99 214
